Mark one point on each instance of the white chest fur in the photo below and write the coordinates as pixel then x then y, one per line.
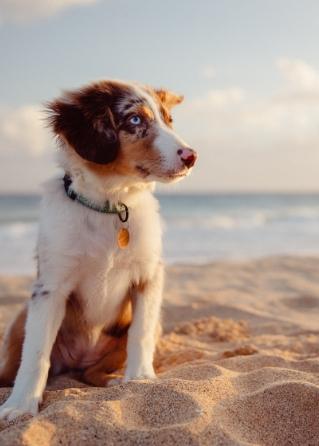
pixel 84 243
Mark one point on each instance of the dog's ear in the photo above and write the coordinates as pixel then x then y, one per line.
pixel 85 121
pixel 168 98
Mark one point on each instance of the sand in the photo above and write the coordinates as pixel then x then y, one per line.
pixel 238 364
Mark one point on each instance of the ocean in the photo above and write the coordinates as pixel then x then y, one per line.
pixel 198 228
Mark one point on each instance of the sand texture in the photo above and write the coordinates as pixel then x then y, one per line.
pixel 238 364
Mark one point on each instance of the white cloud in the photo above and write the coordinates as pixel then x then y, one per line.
pixel 220 98
pixel 22 129
pixel 301 82
pixel 273 141
pixel 27 10
pixel 26 149
pixel 298 74
pixel 232 116
pixel 244 142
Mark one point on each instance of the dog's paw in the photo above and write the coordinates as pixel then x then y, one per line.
pixel 114 382
pixel 143 373
pixel 13 408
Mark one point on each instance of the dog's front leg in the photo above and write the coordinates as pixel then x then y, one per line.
pixel 46 310
pixel 142 333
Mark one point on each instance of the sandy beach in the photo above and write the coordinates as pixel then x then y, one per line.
pixel 238 364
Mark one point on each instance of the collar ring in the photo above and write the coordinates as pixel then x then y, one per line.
pixel 124 211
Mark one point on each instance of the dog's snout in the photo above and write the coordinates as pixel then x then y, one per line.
pixel 188 156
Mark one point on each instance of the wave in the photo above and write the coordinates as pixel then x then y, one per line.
pixel 246 220
pixel 222 229
pixel 17 230
pixel 17 241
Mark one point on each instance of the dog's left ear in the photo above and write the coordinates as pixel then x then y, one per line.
pixel 168 98
pixel 84 120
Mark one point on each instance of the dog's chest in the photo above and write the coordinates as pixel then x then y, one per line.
pixel 106 270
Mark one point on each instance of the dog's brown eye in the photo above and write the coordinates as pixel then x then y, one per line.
pixel 170 119
pixel 135 120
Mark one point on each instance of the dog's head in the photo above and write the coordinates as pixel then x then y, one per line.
pixel 123 128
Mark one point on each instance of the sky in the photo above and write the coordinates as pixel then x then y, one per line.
pixel 249 71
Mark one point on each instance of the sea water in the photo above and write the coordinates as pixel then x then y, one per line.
pixel 197 228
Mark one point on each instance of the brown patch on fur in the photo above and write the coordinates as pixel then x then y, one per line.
pixel 85 120
pixel 135 107
pixel 110 351
pixel 94 122
pixel 74 332
pixel 11 351
pixel 168 98
pixel 123 321
pixel 73 348
pixel 101 373
pixel 140 153
pixel 135 158
pixel 166 117
pixel 128 104
pixel 139 131
pixel 144 111
pixel 135 151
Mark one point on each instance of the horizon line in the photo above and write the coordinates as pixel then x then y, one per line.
pixel 191 192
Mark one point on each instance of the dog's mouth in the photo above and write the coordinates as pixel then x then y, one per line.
pixel 176 175
pixel 161 176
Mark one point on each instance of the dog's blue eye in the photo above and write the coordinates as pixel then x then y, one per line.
pixel 135 120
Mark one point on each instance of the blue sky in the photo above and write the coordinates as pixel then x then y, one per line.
pixel 249 71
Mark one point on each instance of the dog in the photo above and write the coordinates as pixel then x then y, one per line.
pixel 95 303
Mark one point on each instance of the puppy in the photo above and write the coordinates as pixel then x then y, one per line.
pixel 96 301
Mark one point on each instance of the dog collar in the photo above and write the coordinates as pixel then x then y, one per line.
pixel 118 208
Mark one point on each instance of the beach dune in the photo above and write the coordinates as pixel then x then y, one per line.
pixel 238 364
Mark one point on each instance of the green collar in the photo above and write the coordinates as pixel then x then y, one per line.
pixel 117 208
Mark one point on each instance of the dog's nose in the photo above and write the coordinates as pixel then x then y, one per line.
pixel 188 156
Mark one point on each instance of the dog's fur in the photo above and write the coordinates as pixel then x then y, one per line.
pixel 94 305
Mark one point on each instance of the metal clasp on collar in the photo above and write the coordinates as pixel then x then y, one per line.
pixel 123 214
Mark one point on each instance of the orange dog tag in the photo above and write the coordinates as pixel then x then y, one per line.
pixel 123 238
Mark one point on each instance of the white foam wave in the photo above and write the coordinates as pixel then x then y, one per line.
pixel 246 220
pixel 198 234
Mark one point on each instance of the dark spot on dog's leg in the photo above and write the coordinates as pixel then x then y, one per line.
pixel 37 291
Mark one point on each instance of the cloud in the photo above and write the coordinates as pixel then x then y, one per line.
pixel 26 149
pixel 273 141
pixel 298 74
pixel 287 117
pixel 22 129
pixel 301 82
pixel 244 141
pixel 21 11
pixel 216 99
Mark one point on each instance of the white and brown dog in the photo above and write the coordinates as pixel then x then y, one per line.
pixel 97 297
